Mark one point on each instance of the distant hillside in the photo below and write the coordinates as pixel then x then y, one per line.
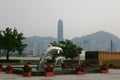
pixel 37 44
pixel 100 41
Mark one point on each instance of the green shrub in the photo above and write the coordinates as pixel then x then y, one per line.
pixel 27 68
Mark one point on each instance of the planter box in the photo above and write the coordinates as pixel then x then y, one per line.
pixel 104 71
pixel 79 72
pixel 49 73
pixel 27 74
pixel 9 71
pixel 1 69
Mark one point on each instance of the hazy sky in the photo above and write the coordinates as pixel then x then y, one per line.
pixel 80 17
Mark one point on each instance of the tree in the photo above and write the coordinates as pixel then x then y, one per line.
pixel 12 41
pixel 18 41
pixel 70 50
pixel 1 41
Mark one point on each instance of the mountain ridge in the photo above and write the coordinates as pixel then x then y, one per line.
pixel 98 41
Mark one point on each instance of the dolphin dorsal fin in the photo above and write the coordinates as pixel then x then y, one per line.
pixel 49 45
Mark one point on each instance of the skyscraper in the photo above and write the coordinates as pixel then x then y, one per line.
pixel 60 30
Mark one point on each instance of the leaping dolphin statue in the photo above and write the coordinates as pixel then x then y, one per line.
pixel 51 50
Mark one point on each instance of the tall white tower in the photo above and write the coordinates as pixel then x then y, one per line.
pixel 60 30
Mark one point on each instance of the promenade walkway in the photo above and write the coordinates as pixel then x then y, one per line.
pixel 114 74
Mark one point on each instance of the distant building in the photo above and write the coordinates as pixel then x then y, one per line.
pixel 60 30
pixel 102 57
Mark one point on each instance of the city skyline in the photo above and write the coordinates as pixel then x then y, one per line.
pixel 81 17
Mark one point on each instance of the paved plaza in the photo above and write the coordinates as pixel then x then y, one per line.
pixel 114 74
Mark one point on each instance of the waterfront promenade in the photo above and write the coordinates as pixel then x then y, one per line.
pixel 114 74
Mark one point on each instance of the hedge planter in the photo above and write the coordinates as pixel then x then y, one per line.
pixel 49 70
pixel 9 69
pixel 27 70
pixel 104 68
pixel 49 74
pixel 79 70
pixel 1 67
